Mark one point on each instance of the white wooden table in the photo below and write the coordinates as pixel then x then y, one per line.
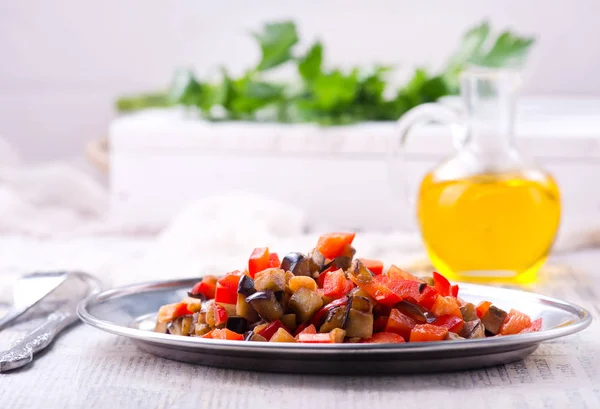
pixel 112 373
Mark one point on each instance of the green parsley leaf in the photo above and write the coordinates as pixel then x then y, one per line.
pixel 309 66
pixel 276 42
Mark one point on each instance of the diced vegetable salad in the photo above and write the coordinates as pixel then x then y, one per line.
pixel 327 296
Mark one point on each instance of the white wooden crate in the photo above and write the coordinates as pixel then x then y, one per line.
pixel 162 160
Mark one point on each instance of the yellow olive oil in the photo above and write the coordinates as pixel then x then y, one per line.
pixel 489 227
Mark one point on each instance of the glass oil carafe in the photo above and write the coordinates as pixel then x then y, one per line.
pixel 487 214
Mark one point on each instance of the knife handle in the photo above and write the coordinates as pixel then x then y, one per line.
pixel 22 351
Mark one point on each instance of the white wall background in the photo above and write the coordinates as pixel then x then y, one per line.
pixel 62 62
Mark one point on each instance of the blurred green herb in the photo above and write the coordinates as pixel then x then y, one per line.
pixel 322 95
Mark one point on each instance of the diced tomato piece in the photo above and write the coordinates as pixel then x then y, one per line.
pixel 446 306
pixel 379 323
pixel 428 332
pixel 227 334
pixel 454 324
pixel 482 308
pixel 271 329
pixel 400 324
pixel 170 312
pixel 305 329
pixel 316 319
pixel 454 291
pixel 325 338
pixel 206 287
pixel 274 260
pixel 396 273
pixel 220 315
pixel 534 327
pixel 384 338
pixel 374 266
pixel 515 322
pixel 208 335
pixel 225 295
pixel 259 260
pixel 441 284
pixel 332 245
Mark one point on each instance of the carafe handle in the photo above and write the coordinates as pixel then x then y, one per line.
pixel 429 112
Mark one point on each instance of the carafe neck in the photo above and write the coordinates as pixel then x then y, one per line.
pixel 489 96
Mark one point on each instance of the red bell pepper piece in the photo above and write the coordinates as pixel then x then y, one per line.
pixel 349 286
pixel 224 295
pixel 396 273
pixel 324 273
pixel 227 334
pixel 428 332
pixel 321 278
pixel 220 315
pixel 400 324
pixel 453 323
pixel 259 260
pixel 301 328
pixel 271 329
pixel 374 266
pixel 336 284
pixel 379 289
pixel 230 281
pixel 405 289
pixel 316 319
pixel 441 284
pixel 206 287
pixel 428 297
pixel 226 292
pixel 454 290
pixel 305 329
pixel 482 308
pixel 388 299
pixel 170 312
pixel 274 260
pixel 384 338
pixel 415 292
pixel 534 327
pixel 332 245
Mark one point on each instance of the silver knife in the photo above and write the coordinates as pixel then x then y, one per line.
pixel 22 351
